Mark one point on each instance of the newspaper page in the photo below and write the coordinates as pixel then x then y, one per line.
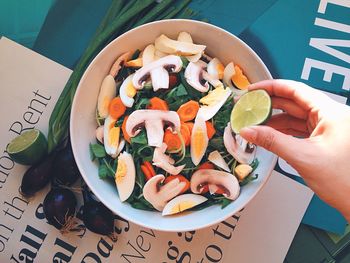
pixel 30 86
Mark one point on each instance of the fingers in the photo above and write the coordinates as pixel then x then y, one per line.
pixel 284 121
pixel 272 140
pixel 303 95
pixel 295 133
pixel 290 107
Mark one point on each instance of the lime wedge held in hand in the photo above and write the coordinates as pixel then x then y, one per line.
pixel 253 108
pixel 28 148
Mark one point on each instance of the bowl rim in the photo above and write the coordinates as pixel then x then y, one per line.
pixel 100 196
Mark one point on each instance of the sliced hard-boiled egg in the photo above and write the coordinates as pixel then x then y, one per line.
pixel 239 79
pixel 125 175
pixel 199 140
pixel 107 93
pixel 111 136
pixel 182 203
pixel 127 91
pixel 213 102
pixel 216 158
pixel 215 68
pixel 229 71
pixel 135 63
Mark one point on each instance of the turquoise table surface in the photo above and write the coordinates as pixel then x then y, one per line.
pixel 24 21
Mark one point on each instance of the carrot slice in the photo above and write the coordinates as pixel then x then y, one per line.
pixel 157 104
pixel 206 165
pixel 181 179
pixel 185 133
pixel 116 108
pixel 148 170
pixel 125 134
pixel 172 141
pixel 150 167
pixel 189 125
pixel 188 111
pixel 210 129
pixel 219 191
pixel 239 79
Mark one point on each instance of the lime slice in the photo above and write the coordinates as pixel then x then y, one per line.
pixel 28 148
pixel 253 108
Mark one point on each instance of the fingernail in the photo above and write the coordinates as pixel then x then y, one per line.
pixel 248 133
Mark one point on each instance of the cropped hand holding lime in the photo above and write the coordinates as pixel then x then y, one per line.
pixel 28 148
pixel 312 135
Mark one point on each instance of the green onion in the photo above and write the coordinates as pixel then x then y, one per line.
pixel 122 15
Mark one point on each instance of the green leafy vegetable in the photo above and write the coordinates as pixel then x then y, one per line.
pixel 97 151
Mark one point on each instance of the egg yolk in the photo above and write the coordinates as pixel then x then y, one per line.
pixel 121 171
pixel 182 207
pixel 114 134
pixel 220 68
pixel 198 142
pixel 130 90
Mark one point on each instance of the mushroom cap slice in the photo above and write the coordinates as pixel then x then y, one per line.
pixel 161 160
pixel 158 196
pixel 237 146
pixel 216 158
pixel 194 76
pixel 170 62
pixel 153 121
pixel 170 46
pixel 148 55
pixel 210 177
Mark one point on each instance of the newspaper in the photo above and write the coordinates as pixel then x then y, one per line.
pixel 30 85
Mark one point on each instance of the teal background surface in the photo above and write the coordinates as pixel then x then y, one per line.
pixel 285 28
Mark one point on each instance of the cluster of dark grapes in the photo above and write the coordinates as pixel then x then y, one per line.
pixel 60 204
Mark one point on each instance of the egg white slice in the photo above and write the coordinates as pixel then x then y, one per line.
pixel 199 140
pixel 127 91
pixel 111 136
pixel 182 203
pixel 215 68
pixel 216 158
pixel 208 111
pixel 125 176
pixel 107 93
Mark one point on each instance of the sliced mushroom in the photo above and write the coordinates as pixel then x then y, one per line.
pixel 194 76
pixel 213 81
pixel 148 55
pixel 161 160
pixel 158 70
pixel 186 37
pixel 239 148
pixel 170 46
pixel 117 65
pixel 153 121
pixel 215 179
pixel 159 195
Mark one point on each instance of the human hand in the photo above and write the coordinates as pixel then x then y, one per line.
pixel 320 154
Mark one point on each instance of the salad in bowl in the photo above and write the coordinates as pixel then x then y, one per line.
pixel 164 133
pixel 154 109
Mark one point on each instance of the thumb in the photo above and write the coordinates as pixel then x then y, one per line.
pixel 285 146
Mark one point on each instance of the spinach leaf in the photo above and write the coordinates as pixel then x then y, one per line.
pixel 97 151
pixel 223 116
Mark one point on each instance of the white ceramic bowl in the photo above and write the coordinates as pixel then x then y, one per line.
pixel 221 44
